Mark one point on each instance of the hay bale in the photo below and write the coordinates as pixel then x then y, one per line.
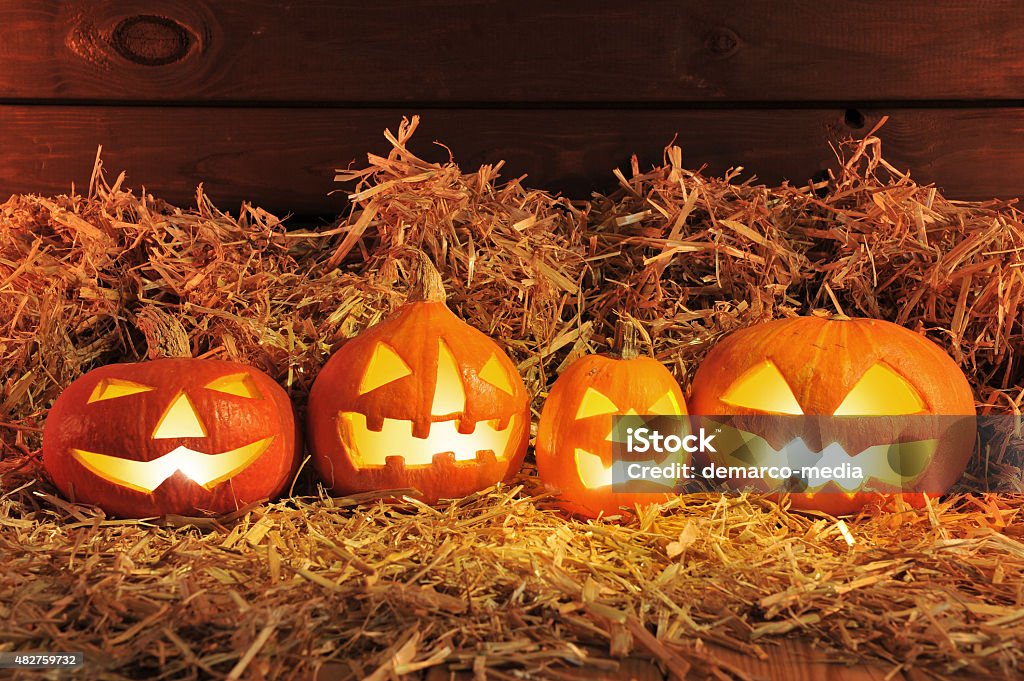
pixel 697 256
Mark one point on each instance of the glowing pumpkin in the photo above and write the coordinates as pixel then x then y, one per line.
pixel 171 436
pixel 839 367
pixel 421 400
pixel 575 441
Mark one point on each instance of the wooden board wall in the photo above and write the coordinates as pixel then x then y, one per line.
pixel 262 100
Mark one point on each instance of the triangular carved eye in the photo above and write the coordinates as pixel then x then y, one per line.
pixel 240 385
pixel 763 388
pixel 112 388
pixel 385 366
pixel 881 392
pixel 495 374
pixel 666 405
pixel 595 403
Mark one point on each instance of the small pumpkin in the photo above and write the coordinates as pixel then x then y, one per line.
pixel 840 367
pixel 177 436
pixel 421 400
pixel 574 445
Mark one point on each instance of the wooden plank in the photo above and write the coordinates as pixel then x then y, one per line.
pixel 572 51
pixel 799 660
pixel 284 158
pixel 630 669
pixel 788 660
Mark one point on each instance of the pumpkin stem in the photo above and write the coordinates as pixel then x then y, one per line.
pixel 839 316
pixel 429 286
pixel 626 339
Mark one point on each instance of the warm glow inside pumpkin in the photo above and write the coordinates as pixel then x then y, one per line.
pixel 421 400
pixel 595 470
pixel 845 369
pixel 575 437
pixel 371 447
pixel 171 436
pixel 879 392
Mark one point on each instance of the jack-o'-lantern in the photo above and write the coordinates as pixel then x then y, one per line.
pixel 840 395
pixel 171 436
pixel 575 438
pixel 422 400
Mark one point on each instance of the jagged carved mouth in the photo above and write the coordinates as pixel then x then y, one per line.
pixel 886 466
pixel 372 449
pixel 593 473
pixel 591 470
pixel 206 470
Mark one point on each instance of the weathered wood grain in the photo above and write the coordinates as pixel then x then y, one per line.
pixel 789 660
pixel 284 158
pixel 800 660
pixel 572 51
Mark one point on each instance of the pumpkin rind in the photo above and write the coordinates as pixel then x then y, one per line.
pixel 630 384
pixel 416 333
pixel 822 360
pixel 126 427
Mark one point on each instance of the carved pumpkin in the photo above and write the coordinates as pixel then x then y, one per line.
pixel 171 436
pixel 575 441
pixel 421 400
pixel 839 367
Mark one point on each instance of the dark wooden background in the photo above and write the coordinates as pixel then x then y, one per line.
pixel 263 100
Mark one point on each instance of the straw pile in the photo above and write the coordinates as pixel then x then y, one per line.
pixel 500 585
pixel 696 256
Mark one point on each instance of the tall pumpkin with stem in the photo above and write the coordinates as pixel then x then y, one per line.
pixel 574 446
pixel 421 400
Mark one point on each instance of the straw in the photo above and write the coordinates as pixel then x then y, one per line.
pixel 502 585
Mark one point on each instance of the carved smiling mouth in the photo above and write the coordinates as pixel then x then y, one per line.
pixel 372 449
pixel 896 465
pixel 593 473
pixel 206 470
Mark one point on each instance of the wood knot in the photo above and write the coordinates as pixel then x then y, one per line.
pixel 151 40
pixel 722 42
pixel 854 118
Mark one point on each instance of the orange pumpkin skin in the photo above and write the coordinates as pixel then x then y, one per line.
pixel 183 415
pixel 631 385
pixel 381 423
pixel 823 361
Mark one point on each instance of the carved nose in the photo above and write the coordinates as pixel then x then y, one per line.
pixel 179 420
pixel 449 395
